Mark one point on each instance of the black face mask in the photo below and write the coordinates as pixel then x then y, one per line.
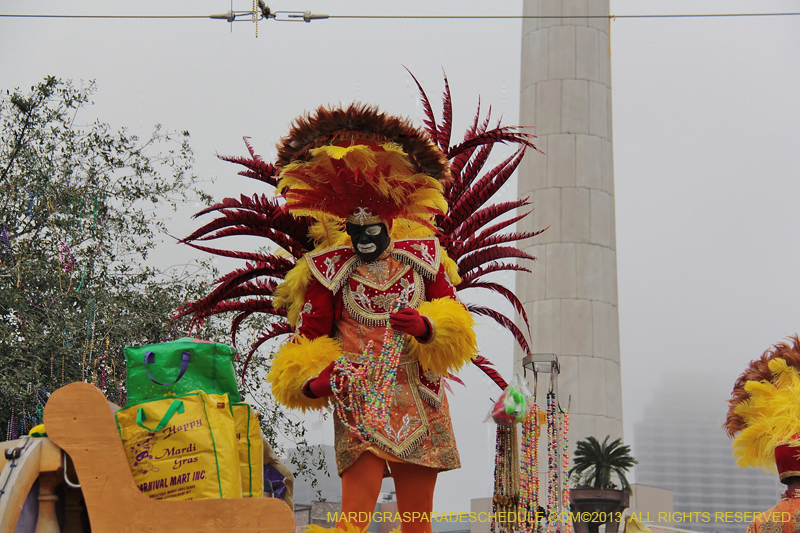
pixel 369 241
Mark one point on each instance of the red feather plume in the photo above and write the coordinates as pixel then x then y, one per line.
pixel 471 232
pixel 488 368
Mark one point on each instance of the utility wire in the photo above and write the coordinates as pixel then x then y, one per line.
pixel 105 16
pixel 685 15
pixel 439 17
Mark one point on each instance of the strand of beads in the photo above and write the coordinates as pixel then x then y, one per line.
pixel 552 463
pixel 529 479
pixel 346 382
pixel 383 375
pixel 499 450
pixel 505 499
pixel 370 383
pixel 564 420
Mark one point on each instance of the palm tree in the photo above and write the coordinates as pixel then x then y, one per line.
pixel 594 463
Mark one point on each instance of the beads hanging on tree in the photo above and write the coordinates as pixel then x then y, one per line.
pixel 6 252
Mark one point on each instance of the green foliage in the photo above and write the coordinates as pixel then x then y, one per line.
pixel 78 207
pixel 594 463
pixel 78 218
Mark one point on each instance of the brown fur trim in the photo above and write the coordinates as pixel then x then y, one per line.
pixel 361 121
pixel 758 370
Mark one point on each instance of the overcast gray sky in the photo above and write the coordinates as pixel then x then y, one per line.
pixel 705 124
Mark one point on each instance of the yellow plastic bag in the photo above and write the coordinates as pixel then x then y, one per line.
pixel 183 447
pixel 251 458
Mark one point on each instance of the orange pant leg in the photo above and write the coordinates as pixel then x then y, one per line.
pixel 413 485
pixel 361 484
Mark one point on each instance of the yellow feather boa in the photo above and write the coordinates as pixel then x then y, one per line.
pixel 295 363
pixel 453 344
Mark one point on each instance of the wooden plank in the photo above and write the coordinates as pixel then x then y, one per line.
pixel 78 419
pixel 50 456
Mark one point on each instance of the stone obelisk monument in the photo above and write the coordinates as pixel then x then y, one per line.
pixel 571 298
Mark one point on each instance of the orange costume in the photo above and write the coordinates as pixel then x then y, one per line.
pixel 784 517
pixel 350 303
pixel 419 429
pixel 348 297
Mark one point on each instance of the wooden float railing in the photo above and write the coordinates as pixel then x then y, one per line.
pixel 79 421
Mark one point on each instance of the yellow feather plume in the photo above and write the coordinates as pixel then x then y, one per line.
pixel 292 292
pixel 327 231
pixel 407 229
pixel 387 172
pixel 451 268
pixel 772 415
pixel 454 343
pixel 295 363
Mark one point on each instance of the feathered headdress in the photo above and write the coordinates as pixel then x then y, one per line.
pixel 447 185
pixel 361 182
pixel 764 412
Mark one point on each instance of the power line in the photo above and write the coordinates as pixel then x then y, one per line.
pixel 684 15
pixel 105 16
pixel 436 17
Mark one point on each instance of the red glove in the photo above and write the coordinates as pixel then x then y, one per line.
pixel 320 386
pixel 408 320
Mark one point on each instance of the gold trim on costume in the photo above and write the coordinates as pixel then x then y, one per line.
pixel 433 398
pixel 421 258
pixel 360 306
pixel 362 216
pixel 377 285
pixel 336 270
pixel 789 473
pixel 412 439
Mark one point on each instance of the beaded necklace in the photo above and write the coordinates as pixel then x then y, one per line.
pixel 565 502
pixel 552 461
pixel 365 389
pixel 529 475
pixel 506 479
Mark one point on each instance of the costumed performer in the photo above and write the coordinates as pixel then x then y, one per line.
pixel 368 181
pixel 370 209
pixel 764 417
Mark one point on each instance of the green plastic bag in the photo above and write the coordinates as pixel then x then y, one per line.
pixel 156 371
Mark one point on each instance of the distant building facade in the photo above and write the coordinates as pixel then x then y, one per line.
pixel 681 446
